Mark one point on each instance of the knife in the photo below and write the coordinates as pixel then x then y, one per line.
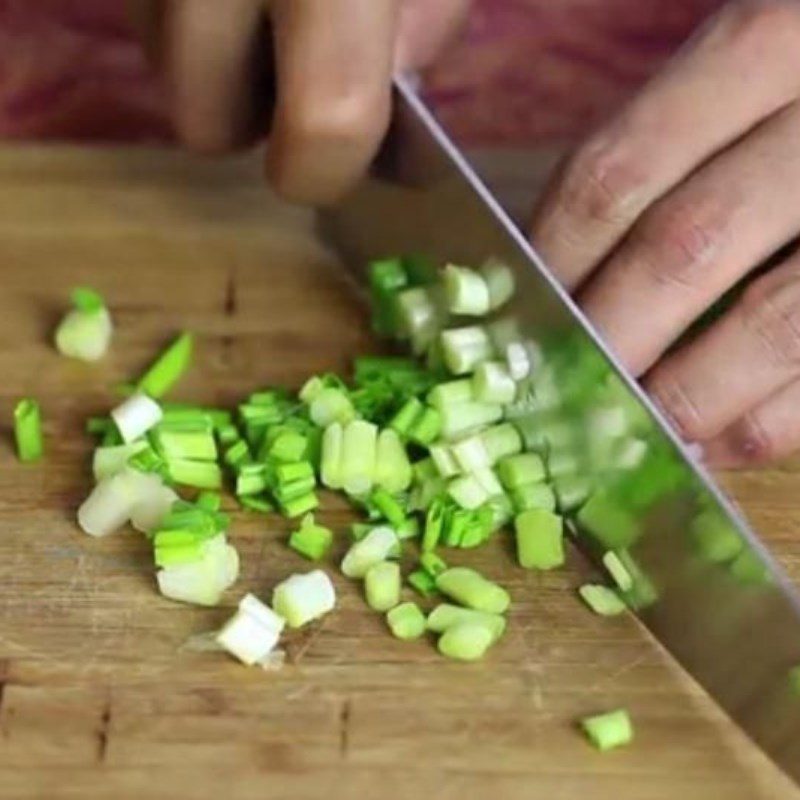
pixel 636 500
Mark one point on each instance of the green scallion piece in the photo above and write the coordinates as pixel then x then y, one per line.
pixel 257 504
pixel 533 495
pixel 452 393
pixel 289 446
pixel 28 430
pixel 301 470
pixel 382 586
pixel 312 541
pixel 466 641
pixel 409 528
pixel 521 469
pixel 422 583
pixel 426 428
pixel 250 484
pixel 209 501
pixel 501 441
pixel 200 474
pixel 228 435
pixel 445 616
pixel 291 490
pixel 602 600
pixel 608 731
pixel 470 588
pixel 618 571
pixel 237 454
pixel 196 445
pixel 434 524
pixel 299 505
pixel 389 507
pixel 540 539
pixel 432 564
pixel 406 621
pixel 168 368
pixel 404 419
pixel 392 467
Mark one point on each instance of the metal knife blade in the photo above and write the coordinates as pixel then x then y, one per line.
pixel 697 575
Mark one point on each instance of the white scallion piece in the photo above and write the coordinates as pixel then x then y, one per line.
pixel 465 348
pixel 202 582
pixel 85 335
pixel 519 365
pixel 392 467
pixel 468 492
pixel 466 291
pixel 253 632
pixel 108 461
pixel 359 447
pixel 470 453
pixel 467 417
pixel 499 281
pixel 152 503
pixel 488 480
pixel 493 383
pixel 375 547
pixel 109 506
pixel 331 458
pixel 445 461
pixel 303 598
pixel 136 416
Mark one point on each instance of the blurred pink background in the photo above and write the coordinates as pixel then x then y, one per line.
pixel 527 71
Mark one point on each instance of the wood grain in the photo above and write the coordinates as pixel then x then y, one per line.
pixel 101 698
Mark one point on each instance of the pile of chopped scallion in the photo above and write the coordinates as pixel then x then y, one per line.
pixel 420 445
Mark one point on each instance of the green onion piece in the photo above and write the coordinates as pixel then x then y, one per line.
pixel 252 633
pixel 432 564
pixel 571 491
pixel 200 474
pixel 445 616
pixel 425 493
pixel 499 281
pixel 521 469
pixel 331 466
pixel 533 495
pixel 85 332
pixel 193 445
pixel 466 291
pixel 299 505
pixel 470 588
pixel 492 383
pixel 446 464
pixel 422 583
pixel 329 406
pixel 386 278
pixel 409 528
pixel 426 427
pixel 136 416
pixel 423 470
pixel 259 505
pixel 289 446
pixel 456 524
pixel 488 481
pixel 606 519
pixel 618 571
pixel 402 421
pixel 359 447
pixel 434 525
pixel 466 641
pixel 465 348
pixel 375 547
pixel 467 417
pixel 99 426
pixel 452 393
pixel 303 598
pixel 602 600
pixel 291 490
pixel 382 586
pixel 470 454
pixel 250 484
pixel 501 441
pixel 540 539
pixel 28 430
pixel 87 300
pixel 501 510
pixel 293 472
pixel 747 568
pixel 417 316
pixel 108 461
pixel 479 527
pixel 237 454
pixel 182 417
pixel 608 731
pixel 714 537
pixel 389 507
pixel 209 501
pixel 168 368
pixel 312 541
pixel 406 621
pixel 228 435
pixel 202 582
pixel 468 492
pixel 392 467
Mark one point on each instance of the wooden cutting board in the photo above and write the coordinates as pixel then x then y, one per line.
pixel 103 694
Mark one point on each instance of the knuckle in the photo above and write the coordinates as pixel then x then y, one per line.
pixel 752 441
pixel 600 184
pixel 676 402
pixel 760 23
pixel 770 309
pixel 676 242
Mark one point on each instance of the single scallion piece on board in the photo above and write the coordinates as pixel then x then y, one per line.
pixel 85 332
pixel 28 430
pixel 392 467
pixel 466 291
pixel 466 641
pixel 445 616
pixel 422 583
pixel 608 731
pixel 136 416
pixel 375 547
pixel 501 441
pixel 499 281
pixel 602 600
pixel 406 621
pixel 252 633
pixel 303 598
pixel 331 459
pixel 168 368
pixel 382 585
pixel 618 571
pixel 521 469
pixel 312 541
pixel 468 492
pixel 359 447
pixel 533 495
pixel 540 539
pixel 470 588
pixel 452 393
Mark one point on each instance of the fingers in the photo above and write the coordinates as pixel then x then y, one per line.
pixel 769 432
pixel 750 354
pixel 697 242
pixel 425 28
pixel 334 65
pixel 676 124
pixel 209 55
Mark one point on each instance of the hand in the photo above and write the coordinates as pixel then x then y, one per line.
pixel 333 62
pixel 691 186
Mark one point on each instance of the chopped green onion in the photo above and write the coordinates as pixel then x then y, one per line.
pixel 521 469
pixel 403 420
pixel 292 472
pixel 465 348
pixel 470 588
pixel 540 539
pixel 304 598
pixel 329 406
pixel 237 454
pixel 312 541
pixel 422 582
pixel 202 582
pixel 470 453
pixel 259 505
pixel 87 300
pixel 465 641
pixel 289 446
pixel 602 600
pixel 499 281
pixel 228 434
pixel 85 332
pixel 209 501
pixel 331 467
pixel 451 394
pixel 406 621
pixel 468 492
pixel 152 504
pixel 493 383
pixel 423 470
pixel 200 474
pixel 434 524
pixel 426 427
pixel 386 278
pixel 501 510
pixel 252 633
pixel 444 460
pixel 466 417
pixel 108 507
pixel 299 505
pixel 392 467
pixel 466 291
pixel 618 571
pixel 518 361
pixel 382 586
pixel 445 616
pixel 168 368
pixel 28 430
pixel 359 447
pixel 715 538
pixel 607 731
pixel 533 495
pixel 137 415
pixel 501 441
pixel 196 445
pixel 375 547
pixel 147 460
pixel 418 317
pixel 108 461
pixel 248 484
pixel 488 481
pixel 432 564
pixel 389 507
